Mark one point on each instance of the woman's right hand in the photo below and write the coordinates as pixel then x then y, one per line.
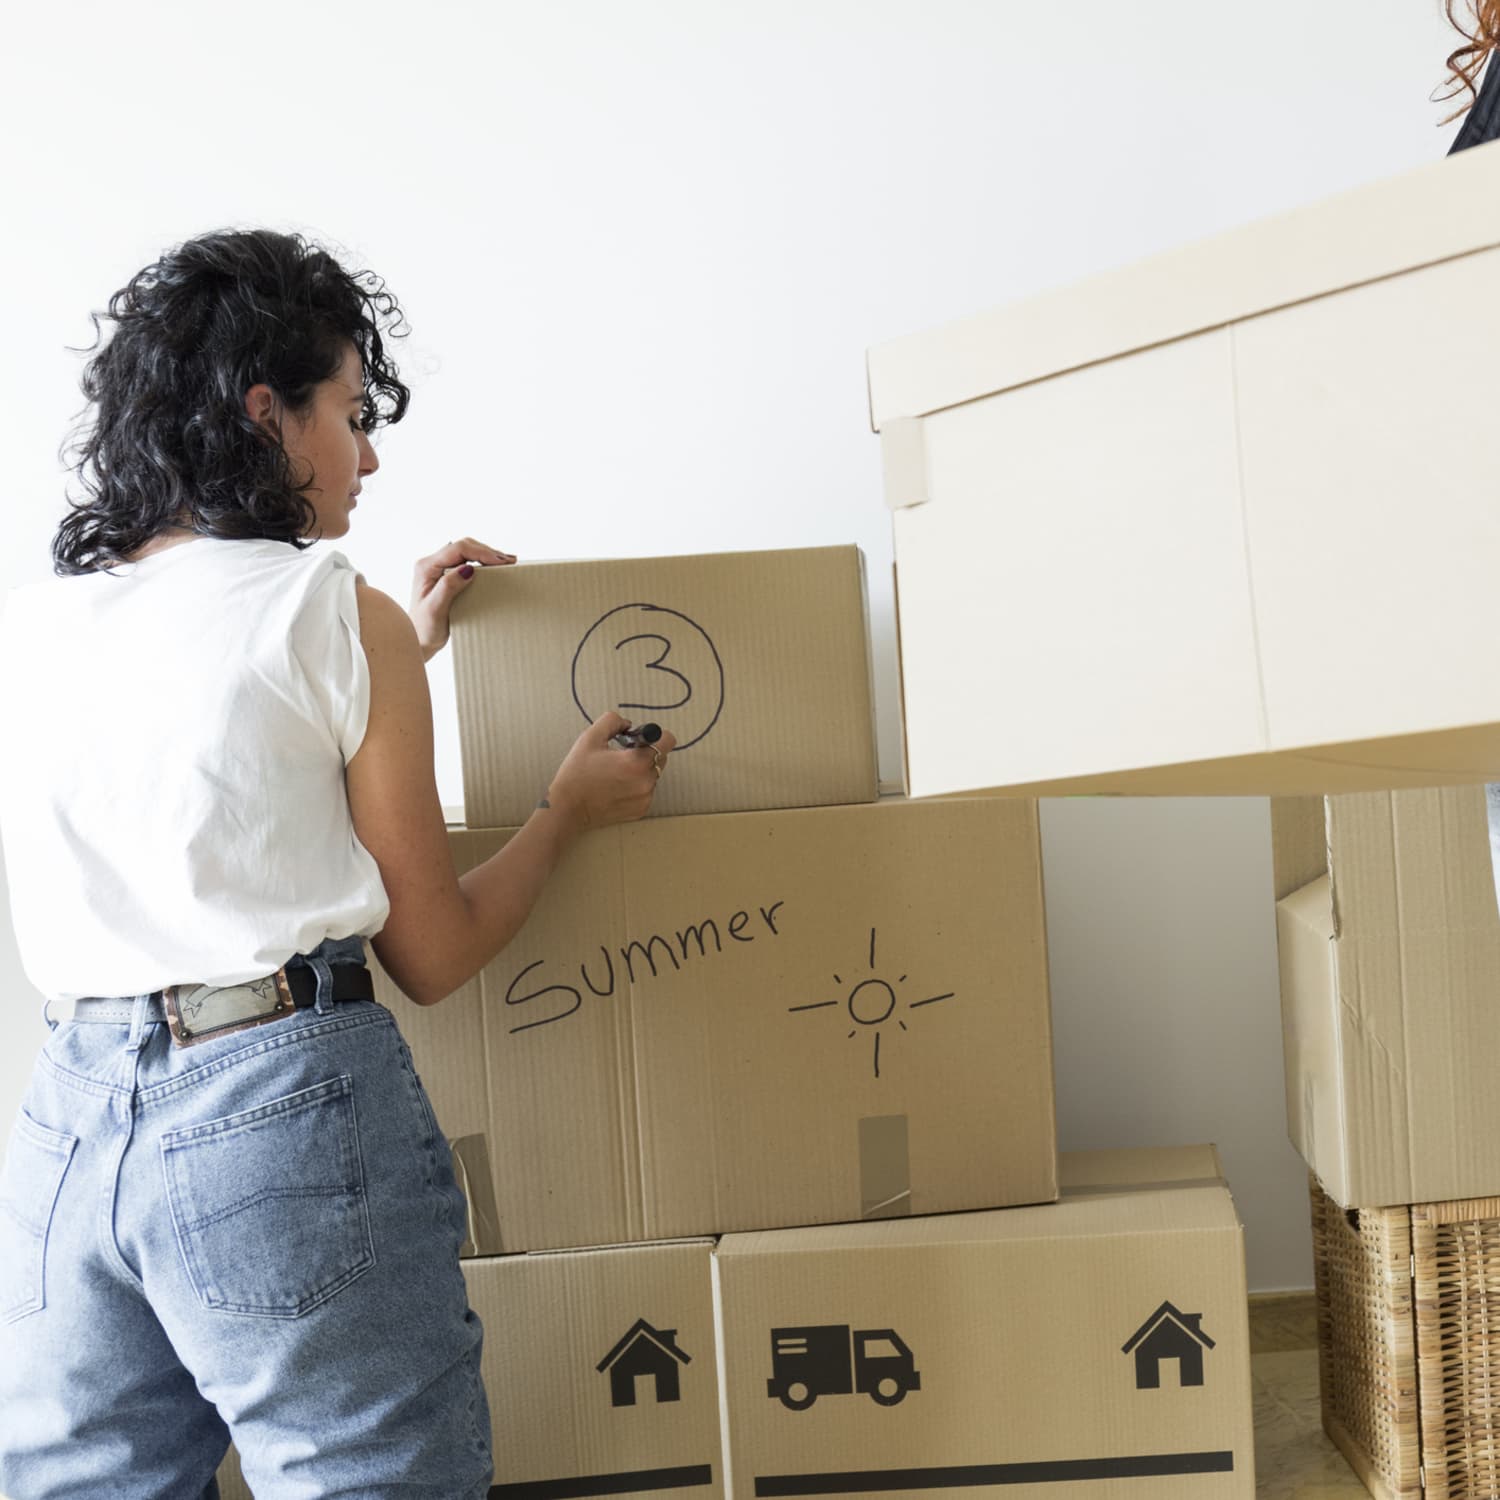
pixel 598 785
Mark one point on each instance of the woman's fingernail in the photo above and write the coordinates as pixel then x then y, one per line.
pixel 466 571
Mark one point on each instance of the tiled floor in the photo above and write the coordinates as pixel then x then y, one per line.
pixel 1293 1460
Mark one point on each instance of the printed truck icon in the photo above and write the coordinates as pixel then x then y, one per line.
pixel 835 1360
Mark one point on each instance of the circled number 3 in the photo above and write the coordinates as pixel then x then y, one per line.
pixel 656 666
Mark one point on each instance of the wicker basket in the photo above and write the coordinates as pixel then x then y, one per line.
pixel 1409 1344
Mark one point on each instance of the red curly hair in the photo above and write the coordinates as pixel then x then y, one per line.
pixel 1479 26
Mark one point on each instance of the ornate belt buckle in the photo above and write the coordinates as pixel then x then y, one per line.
pixel 198 1012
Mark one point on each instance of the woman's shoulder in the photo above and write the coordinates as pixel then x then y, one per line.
pixel 273 556
pixel 203 568
pixel 259 568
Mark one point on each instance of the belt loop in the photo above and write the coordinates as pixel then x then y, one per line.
pixel 139 1015
pixel 47 1014
pixel 323 1004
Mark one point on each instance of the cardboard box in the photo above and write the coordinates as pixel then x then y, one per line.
pixel 232 1484
pixel 759 1019
pixel 1216 522
pixel 1390 990
pixel 758 662
pixel 1097 1346
pixel 601 1370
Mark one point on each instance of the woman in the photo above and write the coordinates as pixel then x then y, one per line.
pixel 226 1207
pixel 1481 33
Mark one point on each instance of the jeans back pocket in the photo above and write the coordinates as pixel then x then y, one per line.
pixel 36 1160
pixel 269 1204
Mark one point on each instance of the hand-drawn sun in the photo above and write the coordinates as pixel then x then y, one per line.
pixel 872 1002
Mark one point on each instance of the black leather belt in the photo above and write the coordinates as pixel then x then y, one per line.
pixel 194 1013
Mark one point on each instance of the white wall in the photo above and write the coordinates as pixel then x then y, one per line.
pixel 643 248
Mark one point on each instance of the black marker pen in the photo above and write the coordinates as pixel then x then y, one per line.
pixel 638 736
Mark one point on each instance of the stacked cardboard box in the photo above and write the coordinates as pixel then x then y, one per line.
pixel 1098 1342
pixel 758 662
pixel 1096 1345
pixel 735 1021
pixel 793 1005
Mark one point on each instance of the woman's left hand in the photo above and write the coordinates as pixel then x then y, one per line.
pixel 438 580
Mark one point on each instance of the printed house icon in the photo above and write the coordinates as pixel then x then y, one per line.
pixel 644 1351
pixel 1168 1334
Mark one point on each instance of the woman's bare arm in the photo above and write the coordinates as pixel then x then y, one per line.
pixel 443 929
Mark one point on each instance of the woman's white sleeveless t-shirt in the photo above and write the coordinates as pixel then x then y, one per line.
pixel 172 798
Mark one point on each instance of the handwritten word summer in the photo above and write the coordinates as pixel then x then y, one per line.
pixel 648 957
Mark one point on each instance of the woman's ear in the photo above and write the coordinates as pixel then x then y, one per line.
pixel 264 409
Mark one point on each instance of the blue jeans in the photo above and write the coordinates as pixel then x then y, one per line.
pixel 253 1237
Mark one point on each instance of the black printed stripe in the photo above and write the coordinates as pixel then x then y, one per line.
pixel 605 1484
pixel 863 1481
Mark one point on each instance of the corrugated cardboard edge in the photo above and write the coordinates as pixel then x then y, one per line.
pixel 905 788
pixel 618 1247
pixel 1242 1284
pixel 1372 1055
pixel 862 571
pixel 1438 212
pixel 1039 870
pixel 726 1447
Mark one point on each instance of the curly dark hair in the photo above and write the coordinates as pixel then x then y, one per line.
pixel 166 440
pixel 1481 34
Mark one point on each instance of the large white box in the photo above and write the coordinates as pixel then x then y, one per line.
pixel 1220 522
